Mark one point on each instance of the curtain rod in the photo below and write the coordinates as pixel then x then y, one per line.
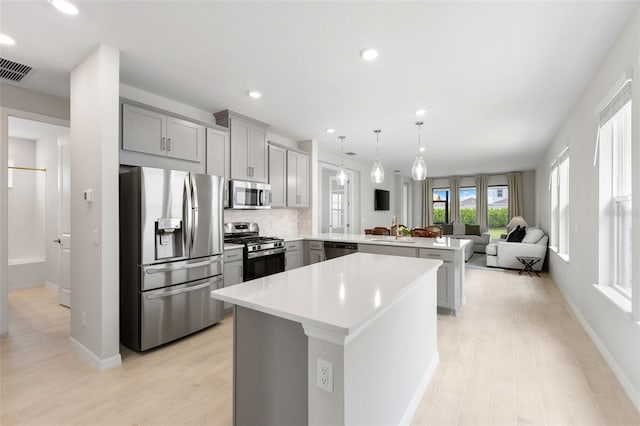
pixel 26 168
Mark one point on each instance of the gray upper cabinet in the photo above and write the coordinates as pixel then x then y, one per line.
pixel 297 179
pixel 278 176
pixel 248 146
pixel 218 163
pixel 152 132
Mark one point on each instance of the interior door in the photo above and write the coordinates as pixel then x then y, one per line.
pixel 64 185
pixel 339 205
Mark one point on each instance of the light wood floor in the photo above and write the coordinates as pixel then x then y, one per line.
pixel 515 355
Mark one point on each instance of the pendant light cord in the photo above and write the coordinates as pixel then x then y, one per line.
pixel 419 124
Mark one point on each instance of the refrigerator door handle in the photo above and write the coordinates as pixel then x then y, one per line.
pixel 158 295
pixel 194 212
pixel 159 269
pixel 188 215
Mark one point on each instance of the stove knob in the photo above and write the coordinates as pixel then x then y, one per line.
pixel 258 247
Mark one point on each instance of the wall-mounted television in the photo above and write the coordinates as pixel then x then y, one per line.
pixel 381 199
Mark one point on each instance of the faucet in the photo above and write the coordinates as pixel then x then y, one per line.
pixel 394 226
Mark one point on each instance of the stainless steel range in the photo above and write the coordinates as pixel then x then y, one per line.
pixel 262 255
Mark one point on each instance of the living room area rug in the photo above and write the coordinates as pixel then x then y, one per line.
pixel 479 261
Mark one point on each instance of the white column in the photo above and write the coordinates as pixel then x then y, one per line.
pixel 94 224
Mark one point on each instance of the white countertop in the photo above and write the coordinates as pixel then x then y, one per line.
pixel 229 246
pixel 339 296
pixel 445 243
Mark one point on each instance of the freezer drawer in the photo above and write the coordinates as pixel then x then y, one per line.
pixel 166 274
pixel 173 312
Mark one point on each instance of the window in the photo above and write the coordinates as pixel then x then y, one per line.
pixel 441 205
pixel 559 187
pixel 467 205
pixel 498 210
pixel 615 192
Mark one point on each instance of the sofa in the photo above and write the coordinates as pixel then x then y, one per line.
pixel 476 233
pixel 502 254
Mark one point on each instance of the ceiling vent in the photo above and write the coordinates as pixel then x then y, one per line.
pixel 350 153
pixel 13 71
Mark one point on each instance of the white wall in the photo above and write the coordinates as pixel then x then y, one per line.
pixel 15 101
pixel 614 331
pixel 94 226
pixel 26 208
pixel 365 216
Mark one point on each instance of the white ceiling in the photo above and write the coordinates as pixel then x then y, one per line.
pixel 497 78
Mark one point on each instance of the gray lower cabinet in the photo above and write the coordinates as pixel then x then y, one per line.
pixel 450 281
pixel 233 271
pixel 390 250
pixel 314 252
pixel 293 255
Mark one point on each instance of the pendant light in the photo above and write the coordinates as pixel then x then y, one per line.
pixel 377 172
pixel 342 175
pixel 419 169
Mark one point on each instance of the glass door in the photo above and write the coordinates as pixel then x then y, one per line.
pixel 339 203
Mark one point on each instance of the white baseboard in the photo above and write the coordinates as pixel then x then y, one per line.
pixel 51 286
pixel 24 285
pixel 96 362
pixel 419 393
pixel 632 393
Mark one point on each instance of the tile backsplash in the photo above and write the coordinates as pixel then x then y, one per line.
pixel 272 222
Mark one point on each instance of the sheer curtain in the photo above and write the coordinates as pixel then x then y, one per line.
pixel 481 200
pixel 454 187
pixel 427 202
pixel 514 182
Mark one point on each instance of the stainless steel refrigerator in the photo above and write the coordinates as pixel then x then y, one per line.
pixel 171 250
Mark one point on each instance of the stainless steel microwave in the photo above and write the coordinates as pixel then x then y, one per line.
pixel 249 195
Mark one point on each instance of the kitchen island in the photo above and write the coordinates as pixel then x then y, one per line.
pixel 348 341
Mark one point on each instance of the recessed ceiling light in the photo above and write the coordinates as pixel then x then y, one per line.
pixel 5 39
pixel 255 94
pixel 330 130
pixel 421 112
pixel 369 54
pixel 64 6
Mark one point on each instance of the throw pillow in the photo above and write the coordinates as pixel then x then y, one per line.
pixel 533 235
pixel 472 230
pixel 447 229
pixel 517 235
pixel 458 229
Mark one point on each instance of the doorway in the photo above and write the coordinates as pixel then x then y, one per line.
pixel 337 202
pixel 34 147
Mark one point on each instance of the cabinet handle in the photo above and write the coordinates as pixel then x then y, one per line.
pixel 162 146
pixel 248 171
pixel 241 273
pixel 169 144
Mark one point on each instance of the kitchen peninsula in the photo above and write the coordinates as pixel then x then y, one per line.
pixel 451 251
pixel 325 343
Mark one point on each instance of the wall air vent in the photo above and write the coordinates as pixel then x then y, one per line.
pixel 13 71
pixel 351 154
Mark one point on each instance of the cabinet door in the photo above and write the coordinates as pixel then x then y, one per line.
pixel 232 275
pixel 239 150
pixel 277 173
pixel 257 155
pixel 315 256
pixel 292 172
pixel 302 179
pixel 292 259
pixel 445 290
pixel 218 158
pixel 143 130
pixel 185 140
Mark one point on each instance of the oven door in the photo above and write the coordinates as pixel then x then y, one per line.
pixel 261 266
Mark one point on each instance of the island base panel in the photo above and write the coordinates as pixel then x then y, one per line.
pixel 270 370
